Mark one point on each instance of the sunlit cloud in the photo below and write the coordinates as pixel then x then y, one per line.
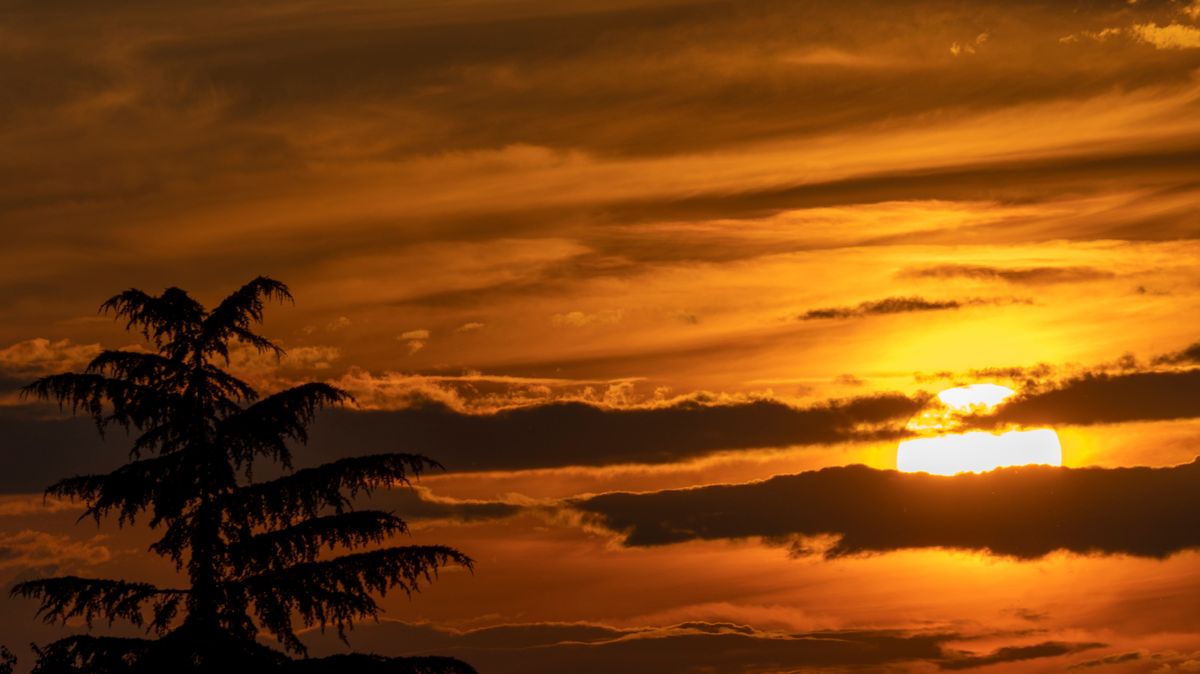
pixel 579 319
pixel 39 356
pixel 37 550
pixel 1172 36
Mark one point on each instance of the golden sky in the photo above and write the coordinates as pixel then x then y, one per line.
pixel 662 284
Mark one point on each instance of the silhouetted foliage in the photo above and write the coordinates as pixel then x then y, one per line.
pixel 8 661
pixel 254 552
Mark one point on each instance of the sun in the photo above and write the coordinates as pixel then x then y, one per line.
pixel 942 451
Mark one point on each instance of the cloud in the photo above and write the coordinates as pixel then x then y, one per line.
pixel 715 647
pixel 579 319
pixel 1107 660
pixel 35 444
pixel 419 503
pixel 1170 662
pixel 968 47
pixel 30 549
pixel 994 180
pixel 480 393
pixel 1101 35
pixel 890 305
pixel 1173 36
pixel 1019 653
pixel 415 339
pixel 1024 512
pixel 1016 275
pixel 272 113
pixel 897 305
pixel 20 505
pixel 1104 398
pixel 473 326
pixel 41 356
pixel 581 434
pixel 1189 355
pixel 268 373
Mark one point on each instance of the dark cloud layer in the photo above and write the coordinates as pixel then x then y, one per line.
pixel 1019 653
pixel 1189 355
pixel 1024 512
pixel 1108 660
pixel 1101 398
pixel 579 434
pixel 38 446
pixel 714 648
pixel 37 442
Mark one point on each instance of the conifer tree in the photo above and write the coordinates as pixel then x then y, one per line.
pixel 258 556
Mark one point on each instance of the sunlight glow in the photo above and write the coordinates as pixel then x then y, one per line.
pixel 944 452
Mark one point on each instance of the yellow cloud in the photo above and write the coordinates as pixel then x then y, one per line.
pixel 42 356
pixel 1174 36
pixel 579 319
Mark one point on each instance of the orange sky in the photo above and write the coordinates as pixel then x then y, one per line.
pixel 575 249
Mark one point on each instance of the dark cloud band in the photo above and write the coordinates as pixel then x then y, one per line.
pixel 577 434
pixel 35 445
pixel 1025 512
pixel 1101 398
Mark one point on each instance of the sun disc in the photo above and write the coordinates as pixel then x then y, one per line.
pixel 943 450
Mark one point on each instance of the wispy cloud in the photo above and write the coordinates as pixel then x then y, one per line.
pixel 899 305
pixel 579 319
pixel 1016 275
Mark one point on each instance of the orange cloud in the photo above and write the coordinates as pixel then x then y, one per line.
pixel 1172 36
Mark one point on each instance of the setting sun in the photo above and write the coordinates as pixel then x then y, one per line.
pixel 943 452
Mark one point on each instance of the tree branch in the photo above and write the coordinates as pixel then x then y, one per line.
pixel 69 597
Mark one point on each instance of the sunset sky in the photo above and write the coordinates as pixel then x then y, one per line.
pixel 664 285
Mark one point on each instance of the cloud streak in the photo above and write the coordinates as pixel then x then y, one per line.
pixel 1014 275
pixel 897 305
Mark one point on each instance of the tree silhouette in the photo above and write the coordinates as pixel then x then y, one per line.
pixel 257 554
